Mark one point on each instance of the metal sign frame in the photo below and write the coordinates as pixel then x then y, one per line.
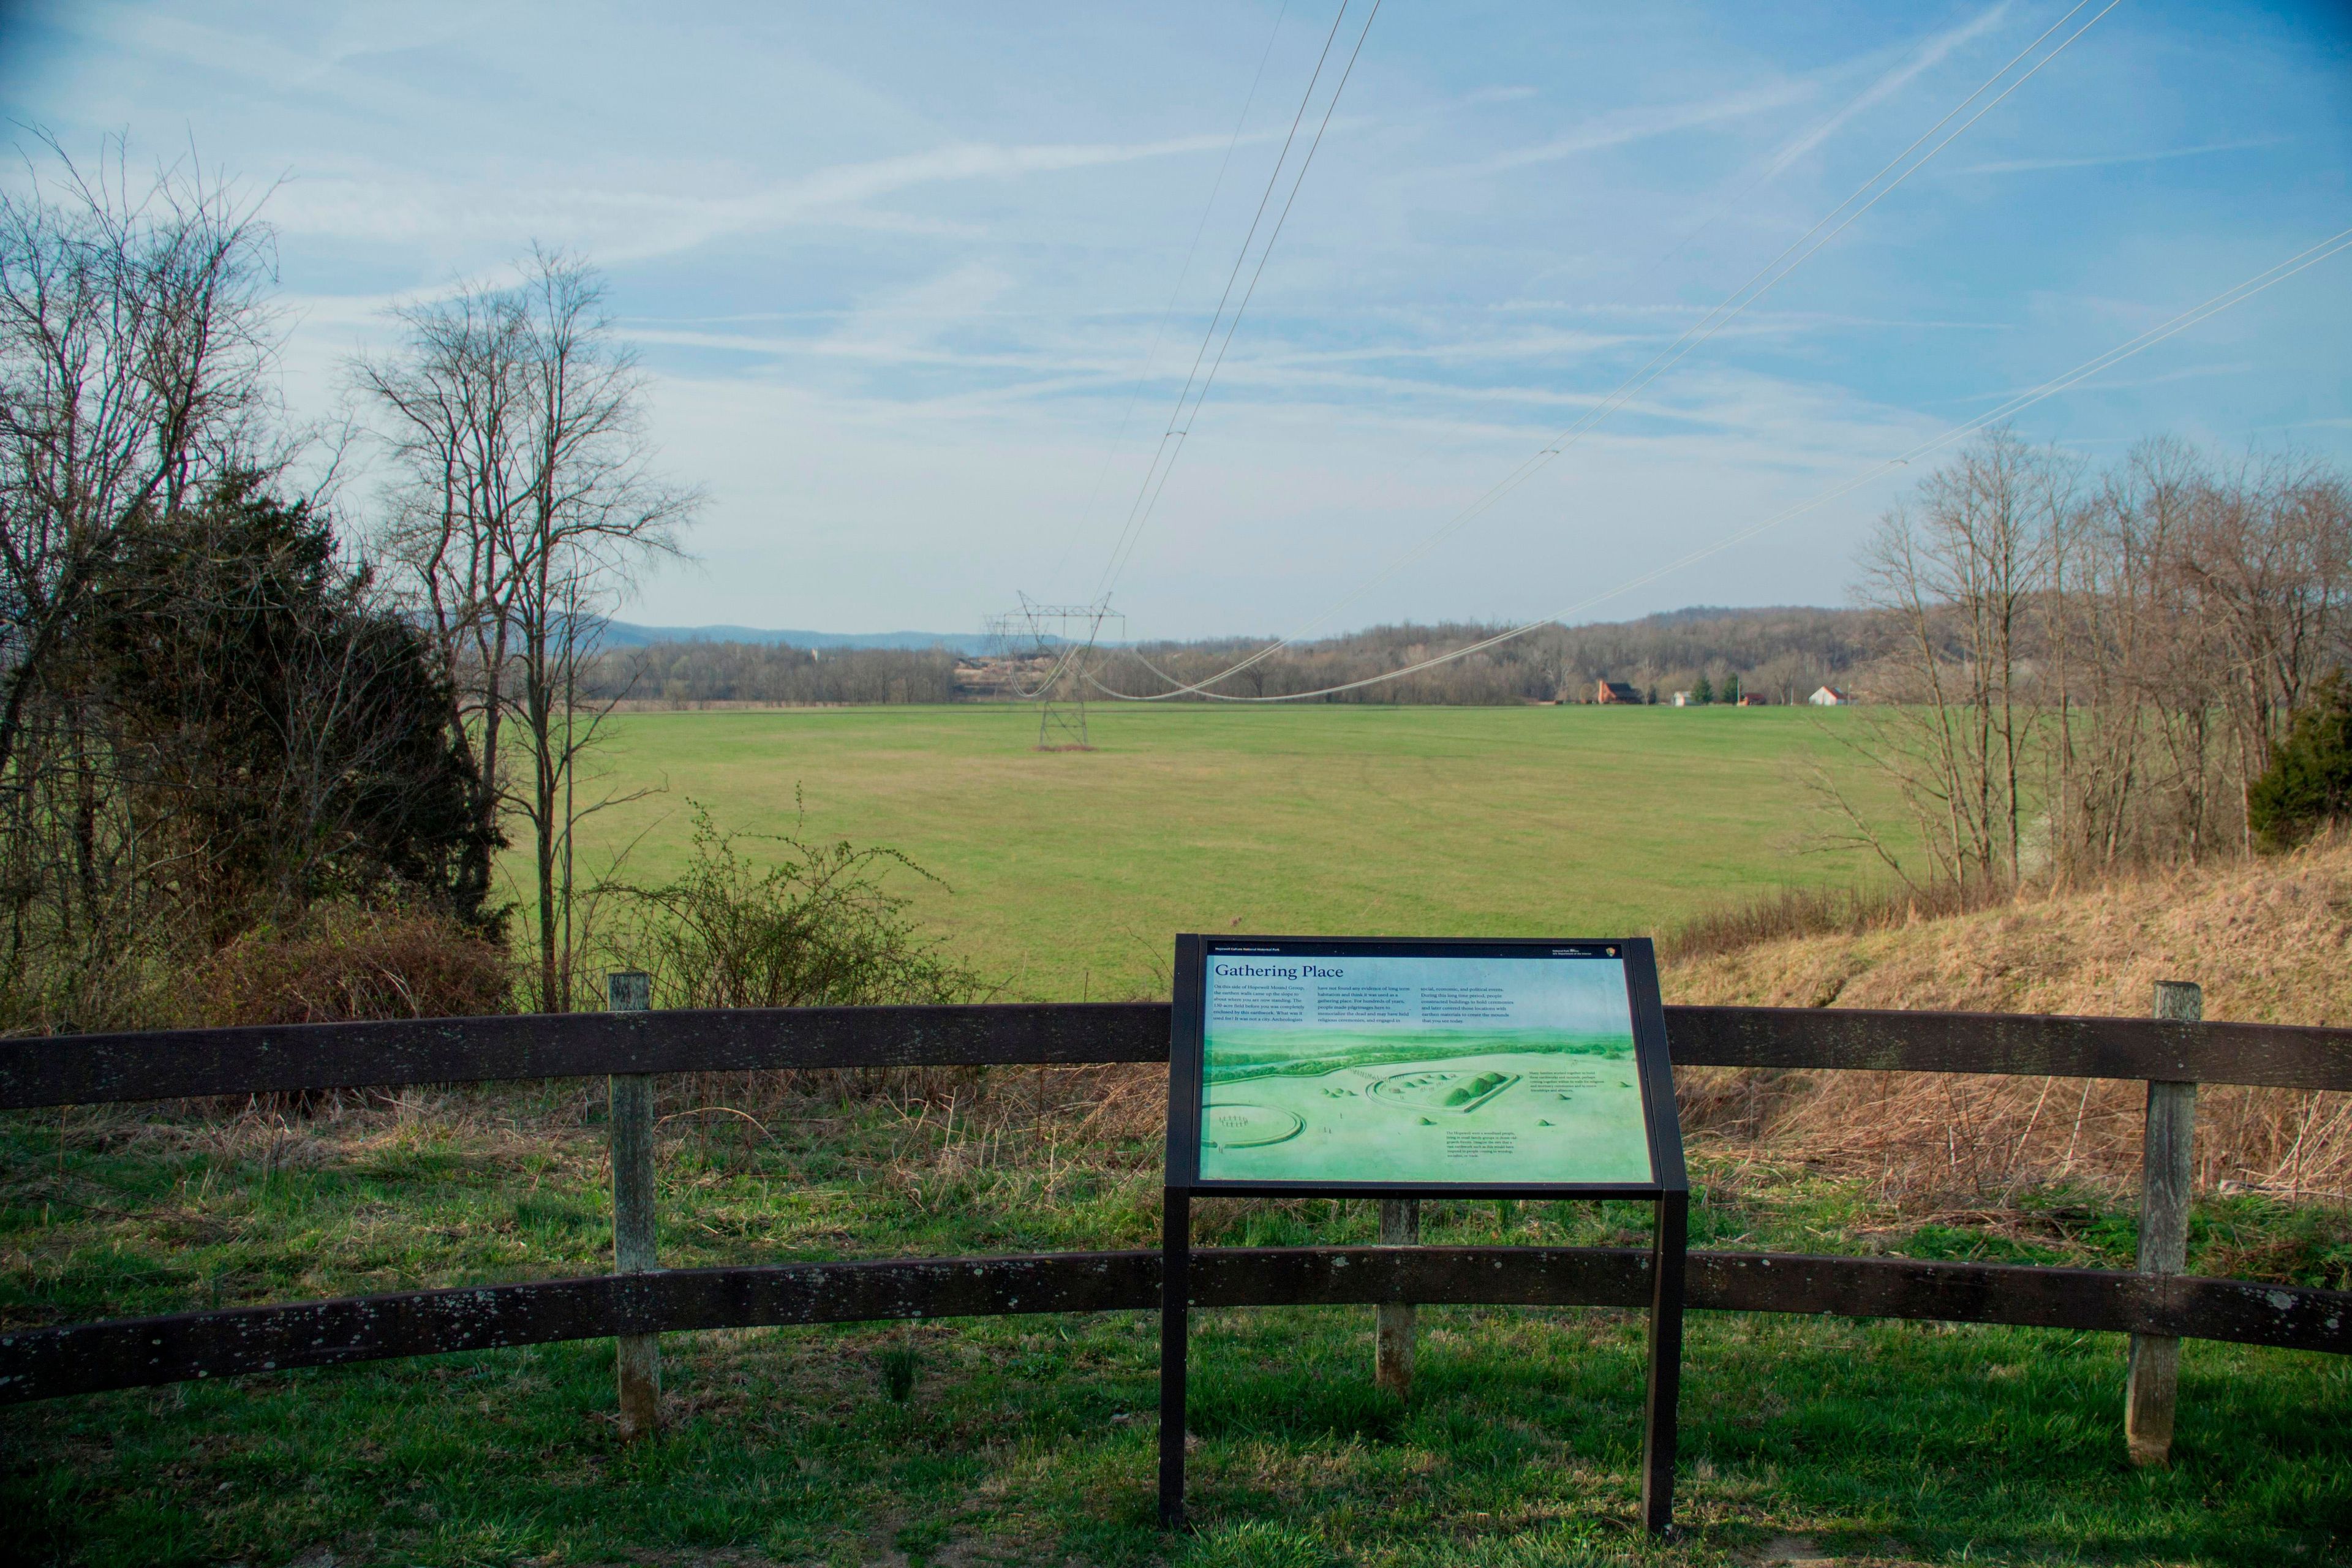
pixel 1669 1187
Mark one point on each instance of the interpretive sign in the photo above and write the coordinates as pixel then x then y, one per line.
pixel 1380 1067
pixel 1355 1065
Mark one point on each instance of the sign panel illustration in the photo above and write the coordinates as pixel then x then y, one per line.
pixel 1436 1069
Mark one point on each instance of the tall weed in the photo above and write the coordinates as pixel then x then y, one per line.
pixel 808 924
pixel 815 927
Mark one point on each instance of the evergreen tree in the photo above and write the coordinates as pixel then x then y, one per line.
pixel 280 732
pixel 2309 782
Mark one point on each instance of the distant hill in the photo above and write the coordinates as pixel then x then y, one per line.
pixel 625 634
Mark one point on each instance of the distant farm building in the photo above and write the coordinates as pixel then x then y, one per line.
pixel 1828 697
pixel 1750 700
pixel 1682 698
pixel 1615 692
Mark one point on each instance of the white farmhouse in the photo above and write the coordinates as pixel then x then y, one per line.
pixel 1829 697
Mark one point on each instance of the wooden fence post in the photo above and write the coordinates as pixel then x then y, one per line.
pixel 639 1358
pixel 2167 1173
pixel 1392 1335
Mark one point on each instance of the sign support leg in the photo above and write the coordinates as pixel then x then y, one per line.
pixel 1669 1246
pixel 1175 1335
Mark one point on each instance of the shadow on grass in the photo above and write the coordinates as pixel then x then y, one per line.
pixel 1032 1441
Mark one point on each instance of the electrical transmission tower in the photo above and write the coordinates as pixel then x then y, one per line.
pixel 1051 652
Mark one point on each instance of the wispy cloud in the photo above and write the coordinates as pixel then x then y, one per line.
pixel 2035 165
pixel 1642 124
pixel 1661 120
pixel 920 261
pixel 1927 55
pixel 852 182
pixel 638 223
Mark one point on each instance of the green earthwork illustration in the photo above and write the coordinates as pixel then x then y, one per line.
pixel 1233 1125
pixel 1530 1109
pixel 1435 1089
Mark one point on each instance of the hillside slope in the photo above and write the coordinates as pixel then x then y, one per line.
pixel 2270 941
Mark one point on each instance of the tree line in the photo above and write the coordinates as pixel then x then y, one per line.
pixel 1781 654
pixel 2090 667
pixel 683 674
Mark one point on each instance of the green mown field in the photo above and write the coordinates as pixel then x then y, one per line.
pixel 1066 872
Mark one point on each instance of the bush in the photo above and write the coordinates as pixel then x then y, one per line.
pixel 2309 782
pixel 344 964
pixel 61 988
pixel 816 929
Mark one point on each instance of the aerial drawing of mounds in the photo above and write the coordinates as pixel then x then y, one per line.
pixel 1435 1089
pixel 1235 1055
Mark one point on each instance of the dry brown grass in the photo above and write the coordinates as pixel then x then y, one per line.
pixel 2270 941
pixel 1787 913
pixel 342 963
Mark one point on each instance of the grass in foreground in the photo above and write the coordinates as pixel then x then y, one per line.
pixel 1030 1441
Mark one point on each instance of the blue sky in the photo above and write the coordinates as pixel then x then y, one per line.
pixel 899 271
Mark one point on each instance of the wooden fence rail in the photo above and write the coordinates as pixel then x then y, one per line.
pixel 89 1069
pixel 44 1363
pixel 41 1363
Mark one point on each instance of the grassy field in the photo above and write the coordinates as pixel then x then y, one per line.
pixel 1030 1441
pixel 1070 871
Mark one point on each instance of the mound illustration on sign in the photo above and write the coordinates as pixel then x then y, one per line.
pixel 1421 1069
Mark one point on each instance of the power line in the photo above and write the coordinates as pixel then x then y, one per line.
pixel 2235 295
pixel 1770 276
pixel 1172 441
pixel 1143 374
pixel 1064 682
pixel 1024 635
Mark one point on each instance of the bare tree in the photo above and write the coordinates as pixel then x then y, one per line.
pixel 1955 577
pixel 2121 663
pixel 449 408
pixel 2268 556
pixel 2139 680
pixel 135 339
pixel 526 495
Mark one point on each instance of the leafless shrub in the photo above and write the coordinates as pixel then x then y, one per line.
pixel 341 962
pixel 777 921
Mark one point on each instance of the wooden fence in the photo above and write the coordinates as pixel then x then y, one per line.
pixel 2154 1304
